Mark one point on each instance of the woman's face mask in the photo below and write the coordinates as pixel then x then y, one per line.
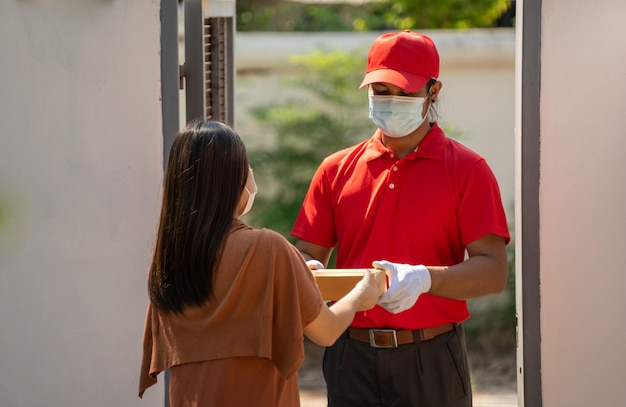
pixel 396 116
pixel 251 189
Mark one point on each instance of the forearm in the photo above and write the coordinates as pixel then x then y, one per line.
pixel 325 329
pixel 475 277
pixel 345 309
pixel 333 320
pixel 311 251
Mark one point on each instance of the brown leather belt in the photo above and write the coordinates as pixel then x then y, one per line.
pixel 391 338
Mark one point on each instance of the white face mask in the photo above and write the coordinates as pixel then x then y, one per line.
pixel 396 116
pixel 249 202
pixel 251 195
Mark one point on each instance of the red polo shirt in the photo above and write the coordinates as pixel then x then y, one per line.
pixel 422 209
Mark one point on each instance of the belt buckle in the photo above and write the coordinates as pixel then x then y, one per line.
pixel 392 335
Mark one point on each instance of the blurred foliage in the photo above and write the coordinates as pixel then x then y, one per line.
pixel 374 15
pixel 330 115
pixel 407 14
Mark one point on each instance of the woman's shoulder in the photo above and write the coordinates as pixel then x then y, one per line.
pixel 261 236
pixel 272 238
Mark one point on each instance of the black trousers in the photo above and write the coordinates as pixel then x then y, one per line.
pixel 433 373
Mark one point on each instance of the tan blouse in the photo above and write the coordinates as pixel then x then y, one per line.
pixel 264 297
pixel 232 382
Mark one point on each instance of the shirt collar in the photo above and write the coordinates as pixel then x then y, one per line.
pixel 431 146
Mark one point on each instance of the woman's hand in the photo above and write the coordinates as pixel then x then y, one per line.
pixel 334 320
pixel 368 290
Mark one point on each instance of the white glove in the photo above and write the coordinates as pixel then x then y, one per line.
pixel 314 265
pixel 406 284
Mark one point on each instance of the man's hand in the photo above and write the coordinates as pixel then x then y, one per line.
pixel 406 284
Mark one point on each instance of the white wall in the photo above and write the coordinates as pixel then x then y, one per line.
pixel 582 203
pixel 80 172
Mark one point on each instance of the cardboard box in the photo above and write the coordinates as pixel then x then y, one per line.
pixel 336 283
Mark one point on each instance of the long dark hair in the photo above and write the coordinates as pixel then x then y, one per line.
pixel 206 172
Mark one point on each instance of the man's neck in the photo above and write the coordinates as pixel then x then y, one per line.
pixel 407 144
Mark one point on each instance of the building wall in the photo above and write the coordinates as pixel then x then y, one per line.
pixel 582 198
pixel 80 172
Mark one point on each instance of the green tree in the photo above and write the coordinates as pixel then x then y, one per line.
pixel 331 115
pixel 408 14
pixel 265 15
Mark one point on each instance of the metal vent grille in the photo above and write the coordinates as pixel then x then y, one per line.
pixel 218 62
pixel 209 65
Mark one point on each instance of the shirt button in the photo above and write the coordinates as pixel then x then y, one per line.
pixel 391 186
pixel 391 155
pixel 395 168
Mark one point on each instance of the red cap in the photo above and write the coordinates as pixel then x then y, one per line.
pixel 405 59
